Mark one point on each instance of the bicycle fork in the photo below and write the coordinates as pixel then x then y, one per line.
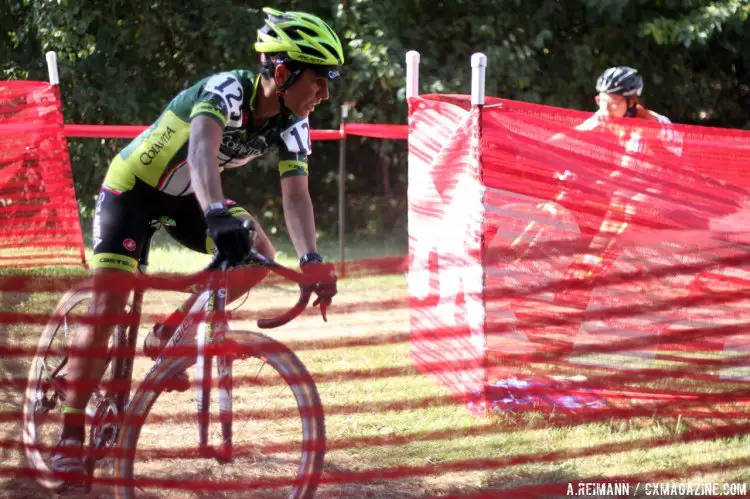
pixel 211 331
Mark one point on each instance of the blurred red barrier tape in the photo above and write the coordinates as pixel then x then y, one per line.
pixel 39 222
pixel 585 276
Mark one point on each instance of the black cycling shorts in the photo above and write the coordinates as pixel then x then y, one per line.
pixel 122 224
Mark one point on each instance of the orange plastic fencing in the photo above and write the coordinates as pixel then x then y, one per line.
pixel 39 219
pixel 571 263
pixel 592 275
pixel 38 211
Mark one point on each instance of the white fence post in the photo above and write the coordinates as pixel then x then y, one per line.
pixel 412 74
pixel 478 67
pixel 54 75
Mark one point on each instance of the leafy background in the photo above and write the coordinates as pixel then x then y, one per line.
pixel 121 61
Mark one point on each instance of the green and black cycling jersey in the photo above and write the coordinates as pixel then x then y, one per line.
pixel 158 156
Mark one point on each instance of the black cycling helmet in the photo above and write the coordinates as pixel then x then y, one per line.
pixel 621 80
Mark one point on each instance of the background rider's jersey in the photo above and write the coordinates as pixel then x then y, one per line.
pixel 158 156
pixel 630 137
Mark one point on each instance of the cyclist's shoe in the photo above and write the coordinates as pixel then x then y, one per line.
pixel 180 382
pixel 155 341
pixel 68 461
pixel 153 345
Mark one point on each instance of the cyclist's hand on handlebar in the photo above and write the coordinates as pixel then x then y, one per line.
pixel 232 237
pixel 320 278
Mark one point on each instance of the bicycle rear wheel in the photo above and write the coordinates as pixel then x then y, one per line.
pixel 278 435
pixel 46 384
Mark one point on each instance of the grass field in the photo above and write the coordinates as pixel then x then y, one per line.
pixel 397 435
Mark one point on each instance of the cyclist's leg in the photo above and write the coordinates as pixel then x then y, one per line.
pixel 120 229
pixel 190 230
pixel 261 243
pixel 602 251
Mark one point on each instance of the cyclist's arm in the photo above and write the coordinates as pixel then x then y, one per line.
pixel 294 149
pixel 218 104
pixel 589 124
pixel 671 138
pixel 298 213
pixel 205 140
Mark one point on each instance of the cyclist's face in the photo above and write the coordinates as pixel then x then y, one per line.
pixel 612 104
pixel 306 93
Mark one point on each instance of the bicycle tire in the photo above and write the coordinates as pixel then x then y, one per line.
pixel 32 447
pixel 248 344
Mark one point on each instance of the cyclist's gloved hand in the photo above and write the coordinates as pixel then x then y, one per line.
pixel 231 237
pixel 320 278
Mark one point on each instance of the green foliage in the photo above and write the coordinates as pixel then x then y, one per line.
pixel 699 25
pixel 121 61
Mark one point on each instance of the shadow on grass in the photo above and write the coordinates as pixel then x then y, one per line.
pixel 20 487
pixel 12 368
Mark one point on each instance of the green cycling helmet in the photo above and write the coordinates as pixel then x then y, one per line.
pixel 302 37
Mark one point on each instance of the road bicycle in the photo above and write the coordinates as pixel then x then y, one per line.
pixel 294 459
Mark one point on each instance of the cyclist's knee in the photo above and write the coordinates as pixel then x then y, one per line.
pixel 261 242
pixel 103 262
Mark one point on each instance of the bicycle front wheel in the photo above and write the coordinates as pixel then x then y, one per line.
pixel 278 430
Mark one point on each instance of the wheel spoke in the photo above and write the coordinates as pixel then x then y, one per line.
pixel 59 368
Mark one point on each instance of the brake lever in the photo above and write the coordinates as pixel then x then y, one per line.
pixel 324 304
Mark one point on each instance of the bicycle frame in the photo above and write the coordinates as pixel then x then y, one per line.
pixel 207 320
pixel 210 330
pixel 123 367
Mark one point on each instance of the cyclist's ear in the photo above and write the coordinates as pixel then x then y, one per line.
pixel 281 74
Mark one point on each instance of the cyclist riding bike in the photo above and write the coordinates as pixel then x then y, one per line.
pixel 172 170
pixel 618 92
pixel 618 96
pixel 635 196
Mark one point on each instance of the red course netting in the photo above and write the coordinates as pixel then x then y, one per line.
pixel 593 274
pixel 38 211
pixel 445 213
pixel 37 199
pixel 574 263
pixel 265 416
